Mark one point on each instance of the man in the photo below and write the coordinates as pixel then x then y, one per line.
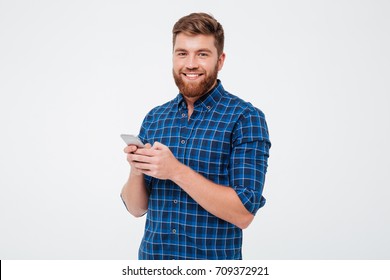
pixel 200 177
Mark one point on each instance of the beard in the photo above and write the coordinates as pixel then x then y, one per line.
pixel 196 89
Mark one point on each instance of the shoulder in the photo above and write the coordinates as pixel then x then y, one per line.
pixel 160 111
pixel 249 121
pixel 240 107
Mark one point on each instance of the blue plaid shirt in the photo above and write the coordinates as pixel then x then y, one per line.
pixel 225 140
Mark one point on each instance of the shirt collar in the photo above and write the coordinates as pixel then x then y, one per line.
pixel 207 101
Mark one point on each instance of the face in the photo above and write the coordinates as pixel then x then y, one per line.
pixel 195 64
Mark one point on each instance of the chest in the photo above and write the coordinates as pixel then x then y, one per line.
pixel 202 141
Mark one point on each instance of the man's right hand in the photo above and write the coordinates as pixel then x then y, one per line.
pixel 130 150
pixel 134 192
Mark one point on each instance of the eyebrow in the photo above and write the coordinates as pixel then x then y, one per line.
pixel 200 50
pixel 205 50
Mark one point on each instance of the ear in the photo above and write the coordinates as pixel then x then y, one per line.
pixel 221 60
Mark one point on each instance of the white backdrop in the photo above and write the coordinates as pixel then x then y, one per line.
pixel 76 74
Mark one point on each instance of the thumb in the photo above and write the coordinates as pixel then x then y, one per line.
pixel 158 146
pixel 148 146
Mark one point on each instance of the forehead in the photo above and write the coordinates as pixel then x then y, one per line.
pixel 194 42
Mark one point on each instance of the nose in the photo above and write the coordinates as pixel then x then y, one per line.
pixel 191 62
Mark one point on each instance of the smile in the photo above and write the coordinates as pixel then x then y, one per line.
pixel 192 76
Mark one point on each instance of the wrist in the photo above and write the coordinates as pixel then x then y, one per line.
pixel 135 173
pixel 180 173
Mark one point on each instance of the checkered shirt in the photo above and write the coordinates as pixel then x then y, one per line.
pixel 225 140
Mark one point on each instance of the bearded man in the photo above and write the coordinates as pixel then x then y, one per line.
pixel 201 174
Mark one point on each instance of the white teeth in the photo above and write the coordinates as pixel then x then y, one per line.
pixel 192 75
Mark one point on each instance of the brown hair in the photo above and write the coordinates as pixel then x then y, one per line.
pixel 200 23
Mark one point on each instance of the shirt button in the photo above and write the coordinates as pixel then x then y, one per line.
pixel 183 115
pixel 174 231
pixel 208 107
pixel 183 141
pixel 175 201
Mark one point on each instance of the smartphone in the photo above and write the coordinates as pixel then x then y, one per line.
pixel 132 140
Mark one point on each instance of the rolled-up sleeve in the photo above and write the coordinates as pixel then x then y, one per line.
pixel 249 159
pixel 144 139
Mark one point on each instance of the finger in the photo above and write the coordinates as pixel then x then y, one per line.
pixel 146 152
pixel 130 149
pixel 141 166
pixel 148 146
pixel 130 158
pixel 141 158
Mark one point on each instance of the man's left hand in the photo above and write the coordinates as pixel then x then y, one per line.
pixel 158 162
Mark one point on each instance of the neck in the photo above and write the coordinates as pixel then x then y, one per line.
pixel 190 101
pixel 190 104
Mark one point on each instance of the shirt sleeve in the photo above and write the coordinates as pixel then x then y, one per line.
pixel 248 162
pixel 144 138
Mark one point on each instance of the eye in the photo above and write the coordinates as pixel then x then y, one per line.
pixel 203 54
pixel 181 54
